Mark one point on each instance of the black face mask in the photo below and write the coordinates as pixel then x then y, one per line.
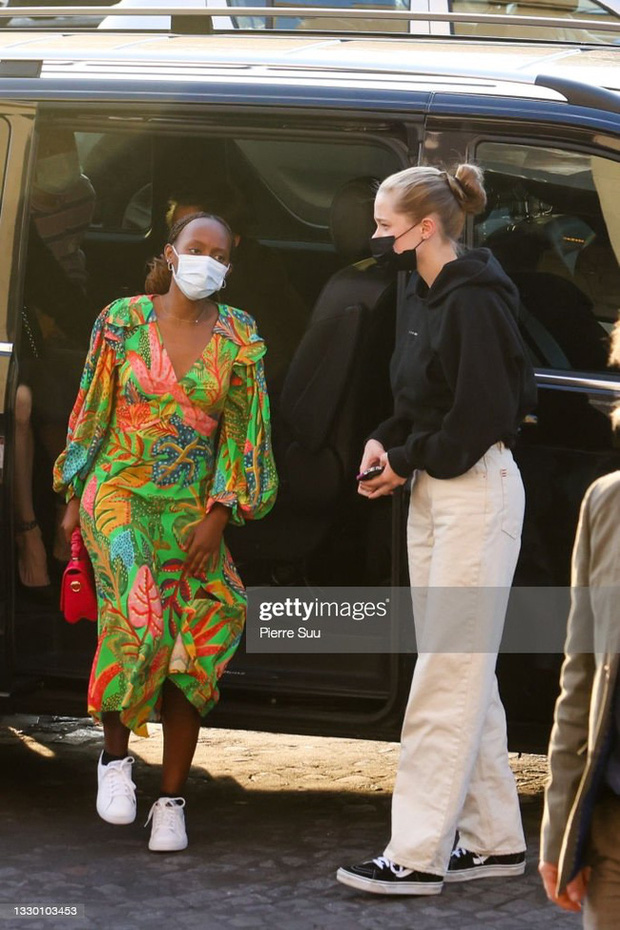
pixel 382 250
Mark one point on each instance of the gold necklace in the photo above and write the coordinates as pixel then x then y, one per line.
pixel 182 319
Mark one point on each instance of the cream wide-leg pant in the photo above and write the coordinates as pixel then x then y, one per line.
pixel 453 773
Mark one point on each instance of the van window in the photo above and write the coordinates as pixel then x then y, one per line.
pixel 558 9
pixel 552 219
pixel 344 24
pixel 119 166
pixel 304 176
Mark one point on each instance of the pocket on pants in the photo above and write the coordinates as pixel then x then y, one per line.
pixel 512 503
pixel 479 468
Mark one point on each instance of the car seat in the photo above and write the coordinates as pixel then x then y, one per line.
pixel 335 391
pixel 565 312
pixel 597 274
pixel 557 318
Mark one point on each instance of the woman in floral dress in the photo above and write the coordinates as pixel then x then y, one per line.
pixel 169 439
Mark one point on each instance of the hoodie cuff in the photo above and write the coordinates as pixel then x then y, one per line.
pixel 381 434
pixel 399 462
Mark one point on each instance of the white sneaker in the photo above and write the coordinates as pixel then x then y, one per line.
pixel 168 830
pixel 116 797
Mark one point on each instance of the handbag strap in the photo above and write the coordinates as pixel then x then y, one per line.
pixel 78 548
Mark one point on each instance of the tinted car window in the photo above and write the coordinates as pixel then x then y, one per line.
pixel 558 9
pixel 552 220
pixel 303 177
pixel 355 25
pixel 119 167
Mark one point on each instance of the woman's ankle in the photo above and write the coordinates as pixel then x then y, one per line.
pixel 107 757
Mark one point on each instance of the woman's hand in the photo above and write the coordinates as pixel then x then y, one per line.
pixel 571 898
pixel 373 450
pixel 203 547
pixel 71 518
pixel 383 484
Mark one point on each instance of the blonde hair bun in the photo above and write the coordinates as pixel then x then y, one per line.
pixel 468 188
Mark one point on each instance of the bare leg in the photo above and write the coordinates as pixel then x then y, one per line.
pixel 116 734
pixel 31 555
pixel 181 725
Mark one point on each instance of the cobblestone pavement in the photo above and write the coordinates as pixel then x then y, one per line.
pixel 270 818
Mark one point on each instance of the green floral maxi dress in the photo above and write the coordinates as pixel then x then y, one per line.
pixel 149 454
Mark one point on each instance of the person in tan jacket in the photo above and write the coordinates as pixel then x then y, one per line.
pixel 580 839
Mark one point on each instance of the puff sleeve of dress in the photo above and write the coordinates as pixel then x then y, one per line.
pixel 91 412
pixel 245 476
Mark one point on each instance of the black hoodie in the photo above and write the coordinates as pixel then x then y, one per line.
pixel 460 374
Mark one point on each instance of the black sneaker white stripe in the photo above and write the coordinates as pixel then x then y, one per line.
pixel 466 865
pixel 382 876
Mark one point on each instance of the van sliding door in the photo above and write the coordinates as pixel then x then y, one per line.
pixel 15 139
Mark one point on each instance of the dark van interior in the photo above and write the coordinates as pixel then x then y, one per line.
pixel 301 269
pixel 301 204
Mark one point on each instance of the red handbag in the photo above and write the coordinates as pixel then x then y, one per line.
pixel 78 598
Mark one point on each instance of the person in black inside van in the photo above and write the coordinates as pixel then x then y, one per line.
pixel 260 283
pixel 462 383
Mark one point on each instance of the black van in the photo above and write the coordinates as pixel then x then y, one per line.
pixel 296 128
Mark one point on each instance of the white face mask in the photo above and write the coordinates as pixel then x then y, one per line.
pixel 198 276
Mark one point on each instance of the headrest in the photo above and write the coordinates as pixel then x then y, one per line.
pixel 351 218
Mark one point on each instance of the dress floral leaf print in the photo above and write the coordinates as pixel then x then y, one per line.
pixel 144 604
pixel 111 509
pixel 92 410
pixel 179 457
pixel 149 454
pixel 245 471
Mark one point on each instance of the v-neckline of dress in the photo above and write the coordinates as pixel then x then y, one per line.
pixel 153 319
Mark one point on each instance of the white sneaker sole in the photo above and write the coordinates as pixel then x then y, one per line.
pixel 486 871
pixel 117 819
pixel 377 887
pixel 170 847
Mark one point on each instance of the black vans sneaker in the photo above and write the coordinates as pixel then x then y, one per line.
pixel 382 876
pixel 465 865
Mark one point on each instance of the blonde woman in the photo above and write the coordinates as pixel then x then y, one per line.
pixel 462 384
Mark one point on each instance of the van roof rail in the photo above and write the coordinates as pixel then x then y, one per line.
pixel 581 95
pixel 293 12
